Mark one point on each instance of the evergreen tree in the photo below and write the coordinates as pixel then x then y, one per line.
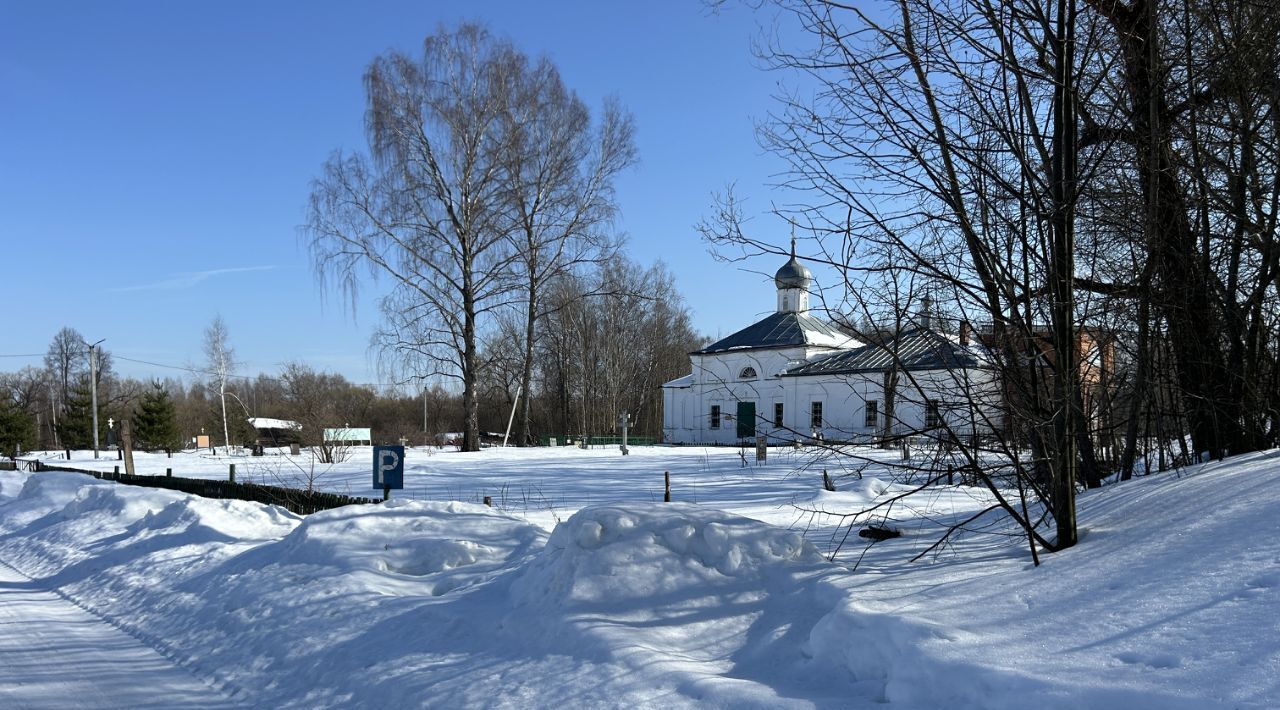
pixel 17 430
pixel 156 423
pixel 75 427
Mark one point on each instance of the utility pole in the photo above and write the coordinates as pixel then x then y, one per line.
pixel 93 389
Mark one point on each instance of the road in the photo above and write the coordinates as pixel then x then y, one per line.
pixel 56 655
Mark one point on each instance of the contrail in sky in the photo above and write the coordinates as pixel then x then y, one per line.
pixel 190 278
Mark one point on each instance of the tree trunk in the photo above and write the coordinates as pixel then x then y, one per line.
pixel 1061 281
pixel 890 395
pixel 1139 386
pixel 526 371
pixel 222 395
pixel 1090 472
pixel 1184 286
pixel 470 403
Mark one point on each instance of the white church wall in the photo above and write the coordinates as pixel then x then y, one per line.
pixel 966 400
pixel 843 399
pixel 720 381
pixel 962 397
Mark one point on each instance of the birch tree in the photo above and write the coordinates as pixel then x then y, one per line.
pixel 426 208
pixel 220 362
pixel 561 167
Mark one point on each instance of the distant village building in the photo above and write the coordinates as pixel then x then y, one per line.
pixel 349 436
pixel 791 376
pixel 275 432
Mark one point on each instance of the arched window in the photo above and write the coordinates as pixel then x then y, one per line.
pixel 748 373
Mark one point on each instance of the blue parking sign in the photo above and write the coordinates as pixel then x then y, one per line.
pixel 388 467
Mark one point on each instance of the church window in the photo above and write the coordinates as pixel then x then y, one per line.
pixel 748 373
pixel 873 414
pixel 715 416
pixel 815 415
pixel 932 415
pixel 777 415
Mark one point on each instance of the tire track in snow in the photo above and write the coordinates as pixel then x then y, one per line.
pixel 57 652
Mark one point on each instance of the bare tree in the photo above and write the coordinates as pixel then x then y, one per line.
pixel 561 168
pixel 612 339
pixel 320 400
pixel 940 141
pixel 220 361
pixel 65 361
pixel 427 208
pixel 936 151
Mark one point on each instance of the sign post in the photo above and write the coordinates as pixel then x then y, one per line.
pixel 388 468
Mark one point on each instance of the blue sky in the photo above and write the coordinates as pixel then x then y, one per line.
pixel 155 160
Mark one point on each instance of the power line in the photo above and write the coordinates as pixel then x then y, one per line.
pixel 198 371
pixel 260 376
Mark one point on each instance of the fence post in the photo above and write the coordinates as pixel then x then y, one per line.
pixel 666 480
pixel 233 473
pixel 115 471
pixel 168 472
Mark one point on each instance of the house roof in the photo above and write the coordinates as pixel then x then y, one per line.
pixel 918 349
pixel 265 423
pixel 780 330
pixel 686 381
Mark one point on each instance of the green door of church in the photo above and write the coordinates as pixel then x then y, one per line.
pixel 746 419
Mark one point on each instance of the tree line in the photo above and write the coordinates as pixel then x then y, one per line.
pixel 613 335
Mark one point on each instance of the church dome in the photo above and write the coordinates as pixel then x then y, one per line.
pixel 793 274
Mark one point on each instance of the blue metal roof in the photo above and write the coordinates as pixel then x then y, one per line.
pixel 918 349
pixel 780 330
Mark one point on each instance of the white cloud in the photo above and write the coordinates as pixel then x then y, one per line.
pixel 188 279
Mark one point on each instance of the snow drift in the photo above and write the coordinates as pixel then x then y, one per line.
pixel 1170 600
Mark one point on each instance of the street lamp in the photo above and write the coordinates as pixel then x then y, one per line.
pixel 93 384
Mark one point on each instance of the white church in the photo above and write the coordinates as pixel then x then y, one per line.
pixel 793 377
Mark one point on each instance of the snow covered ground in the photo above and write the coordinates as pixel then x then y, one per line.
pixel 581 588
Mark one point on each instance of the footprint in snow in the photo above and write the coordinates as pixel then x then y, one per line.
pixel 1265 581
pixel 1159 660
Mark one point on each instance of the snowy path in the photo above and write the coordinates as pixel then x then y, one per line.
pixel 53 654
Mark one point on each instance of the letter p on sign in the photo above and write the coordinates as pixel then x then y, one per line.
pixel 388 467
